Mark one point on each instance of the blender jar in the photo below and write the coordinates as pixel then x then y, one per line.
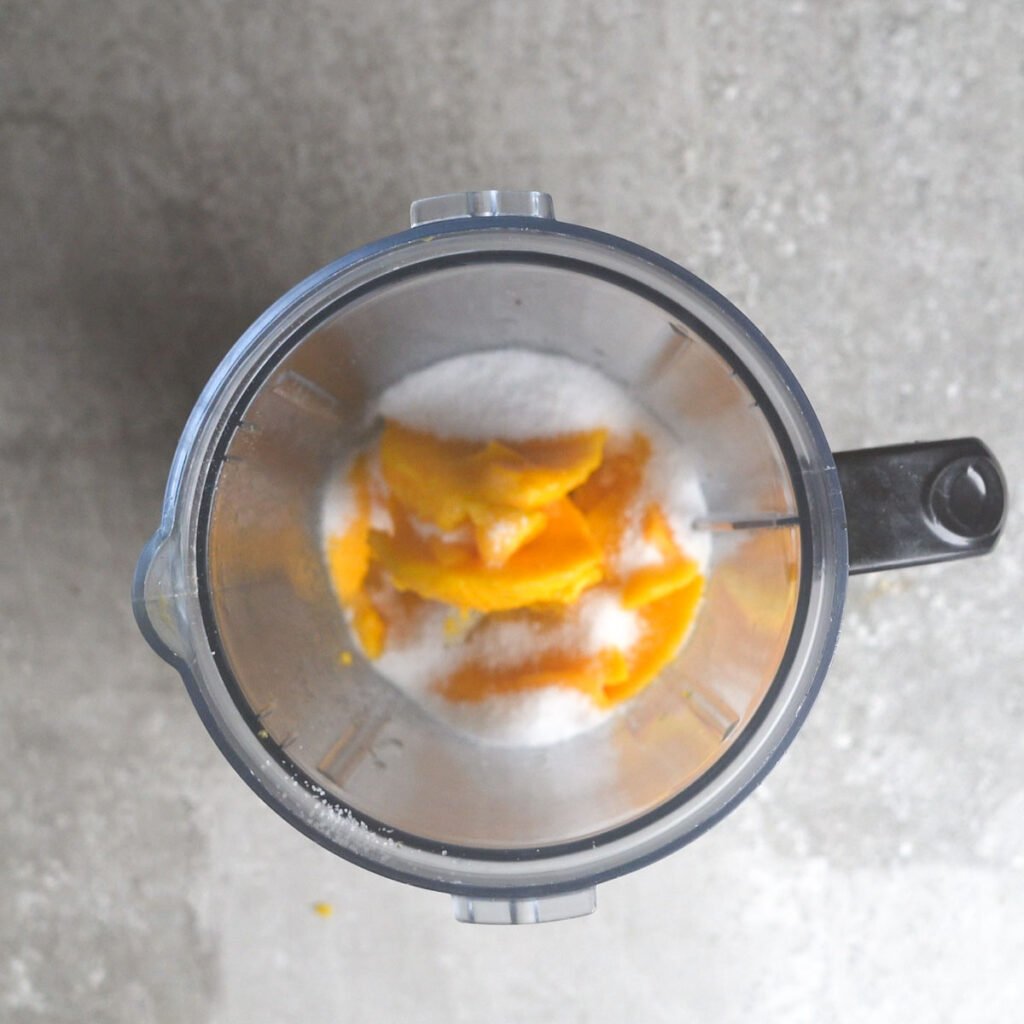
pixel 233 592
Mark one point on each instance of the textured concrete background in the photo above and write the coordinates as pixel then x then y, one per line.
pixel 849 174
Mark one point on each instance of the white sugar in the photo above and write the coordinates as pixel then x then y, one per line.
pixel 498 644
pixel 427 656
pixel 339 506
pixel 603 622
pixel 380 517
pixel 635 551
pixel 460 535
pixel 503 532
pixel 673 482
pixel 424 656
pixel 531 719
pixel 510 395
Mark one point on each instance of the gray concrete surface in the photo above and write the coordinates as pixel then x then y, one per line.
pixel 850 174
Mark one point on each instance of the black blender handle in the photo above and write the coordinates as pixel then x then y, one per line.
pixel 908 504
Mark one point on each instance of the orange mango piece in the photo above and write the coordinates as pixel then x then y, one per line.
pixel 665 625
pixel 605 498
pixel 348 562
pixel 425 474
pixel 369 626
pixel 653 582
pixel 556 566
pixel 608 677
pixel 452 555
pixel 348 553
pixel 590 674
pixel 658 533
pixel 443 481
pixel 532 474
pixel 623 467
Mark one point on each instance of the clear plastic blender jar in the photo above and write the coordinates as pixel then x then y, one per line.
pixel 233 592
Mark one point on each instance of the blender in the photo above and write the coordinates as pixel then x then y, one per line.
pixel 233 592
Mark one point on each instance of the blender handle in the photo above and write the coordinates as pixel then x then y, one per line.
pixel 909 504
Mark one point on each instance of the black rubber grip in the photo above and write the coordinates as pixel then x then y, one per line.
pixel 909 504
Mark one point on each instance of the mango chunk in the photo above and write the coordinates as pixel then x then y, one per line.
pixel 653 582
pixel 556 566
pixel 609 677
pixel 443 481
pixel 532 474
pixel 590 674
pixel 658 533
pixel 449 554
pixel 426 474
pixel 606 497
pixel 348 562
pixel 348 553
pixel 665 625
pixel 623 468
pixel 369 626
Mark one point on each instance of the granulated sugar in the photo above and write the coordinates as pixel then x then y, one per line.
pixel 508 395
pixel 514 396
pixel 339 503
pixel 672 481
pixel 531 719
pixel 428 652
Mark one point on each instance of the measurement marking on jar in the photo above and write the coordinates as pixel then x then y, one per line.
pixel 712 711
pixel 351 747
pixel 676 346
pixel 304 394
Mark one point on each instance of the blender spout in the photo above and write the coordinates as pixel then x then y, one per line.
pixel 155 599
